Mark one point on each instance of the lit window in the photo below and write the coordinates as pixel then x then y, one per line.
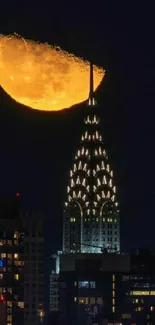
pixel 16 242
pixel 83 284
pixel 82 151
pixel 92 284
pixel 113 309
pixel 113 278
pixel 3 255
pixel 75 299
pixel 16 234
pixel 72 219
pixel 9 318
pixel 113 286
pixel 79 194
pixel 99 300
pixel 85 167
pixel 113 301
pixel 80 165
pixel 94 188
pixel 1 276
pixel 126 316
pixel 139 308
pixel 16 255
pixel 104 180
pixel 141 293
pixel 103 194
pixel 75 284
pixel 83 300
pixel 84 182
pixel 21 304
pixel 98 182
pixel 152 293
pixel 84 197
pixel 113 293
pixel 16 276
pixel 92 300
pixel 86 134
pixel 9 303
pixel 97 168
pixel 41 313
pixel 9 242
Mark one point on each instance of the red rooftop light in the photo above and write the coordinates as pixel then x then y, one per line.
pixel 2 299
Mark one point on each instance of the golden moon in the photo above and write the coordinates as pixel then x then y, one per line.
pixel 43 77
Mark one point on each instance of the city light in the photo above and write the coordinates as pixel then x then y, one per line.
pixel 1 263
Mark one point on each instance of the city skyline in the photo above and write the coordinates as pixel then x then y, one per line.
pixel 36 153
pixel 36 149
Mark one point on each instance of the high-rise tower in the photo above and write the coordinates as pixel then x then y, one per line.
pixel 91 214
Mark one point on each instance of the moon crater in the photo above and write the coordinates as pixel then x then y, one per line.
pixel 43 77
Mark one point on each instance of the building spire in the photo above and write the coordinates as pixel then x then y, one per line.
pixel 91 101
pixel 91 82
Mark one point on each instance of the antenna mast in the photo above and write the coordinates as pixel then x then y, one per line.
pixel 91 100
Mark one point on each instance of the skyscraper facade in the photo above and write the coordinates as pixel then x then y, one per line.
pixel 34 295
pixel 91 212
pixel 11 263
pixel 21 265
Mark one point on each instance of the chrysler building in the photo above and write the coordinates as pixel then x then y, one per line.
pixel 91 211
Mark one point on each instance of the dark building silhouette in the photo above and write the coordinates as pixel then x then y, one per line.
pixel 34 293
pixel 107 288
pixel 11 262
pixel 21 265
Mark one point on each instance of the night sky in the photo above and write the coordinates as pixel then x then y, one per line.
pixel 36 148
